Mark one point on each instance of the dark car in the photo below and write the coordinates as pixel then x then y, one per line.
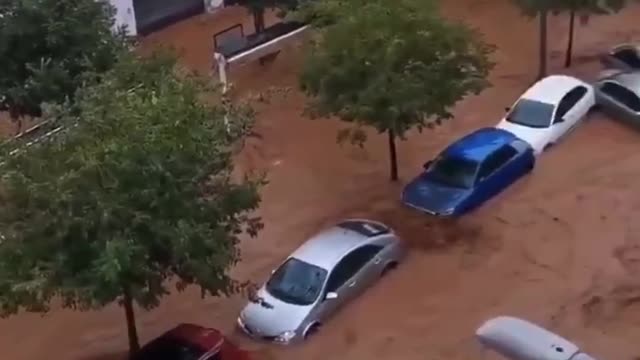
pixel 623 57
pixel 469 172
pixel 191 342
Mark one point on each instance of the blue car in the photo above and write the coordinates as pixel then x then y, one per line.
pixel 469 172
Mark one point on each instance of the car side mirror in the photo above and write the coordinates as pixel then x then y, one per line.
pixel 427 164
pixel 331 295
pixel 507 109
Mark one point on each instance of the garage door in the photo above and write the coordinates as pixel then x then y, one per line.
pixel 152 15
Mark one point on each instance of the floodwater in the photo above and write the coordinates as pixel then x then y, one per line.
pixel 560 248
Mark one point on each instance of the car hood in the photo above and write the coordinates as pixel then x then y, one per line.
pixel 537 138
pixel 432 197
pixel 274 316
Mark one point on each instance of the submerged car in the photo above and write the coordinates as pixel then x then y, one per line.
pixel 469 172
pixel 618 94
pixel 326 272
pixel 191 342
pixel 549 110
pixel 518 339
pixel 623 57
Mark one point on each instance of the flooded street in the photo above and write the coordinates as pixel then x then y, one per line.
pixel 560 248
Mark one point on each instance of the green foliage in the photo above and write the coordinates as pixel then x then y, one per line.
pixel 137 191
pixel 46 46
pixel 390 65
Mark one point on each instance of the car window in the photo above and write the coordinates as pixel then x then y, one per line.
pixel 453 171
pixel 496 160
pixel 531 113
pixel 569 101
pixel 628 56
pixel 297 282
pixel 622 95
pixel 169 348
pixel 350 265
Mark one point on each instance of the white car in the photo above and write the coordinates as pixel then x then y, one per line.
pixel 547 111
pixel 519 339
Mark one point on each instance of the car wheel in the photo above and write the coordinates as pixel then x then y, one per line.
pixel 390 266
pixel 313 329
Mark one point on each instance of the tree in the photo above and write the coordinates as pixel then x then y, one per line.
pixel 258 7
pixel 542 8
pixel 584 8
pixel 46 46
pixel 390 65
pixel 137 193
pixel 539 8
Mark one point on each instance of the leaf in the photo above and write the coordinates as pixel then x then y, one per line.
pixel 136 191
pixel 389 65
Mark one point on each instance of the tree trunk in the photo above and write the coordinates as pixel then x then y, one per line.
pixel 572 20
pixel 542 70
pixel 134 343
pixel 258 20
pixel 393 156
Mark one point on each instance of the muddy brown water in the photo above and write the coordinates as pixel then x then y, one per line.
pixel 560 248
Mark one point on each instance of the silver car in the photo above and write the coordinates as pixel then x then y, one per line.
pixel 623 57
pixel 618 93
pixel 327 271
pixel 518 339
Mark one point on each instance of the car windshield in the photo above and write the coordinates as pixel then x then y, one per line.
pixel 455 172
pixel 531 113
pixel 297 282
pixel 169 348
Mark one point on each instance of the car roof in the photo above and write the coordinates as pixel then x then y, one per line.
pixel 552 88
pixel 326 248
pixel 628 79
pixel 516 338
pixel 625 46
pixel 479 144
pixel 196 335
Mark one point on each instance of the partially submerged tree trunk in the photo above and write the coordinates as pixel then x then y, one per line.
pixel 572 21
pixel 542 70
pixel 393 157
pixel 127 302
pixel 258 20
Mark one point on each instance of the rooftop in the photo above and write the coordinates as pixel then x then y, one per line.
pixel 479 144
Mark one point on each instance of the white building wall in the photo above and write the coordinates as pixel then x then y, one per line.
pixel 213 5
pixel 125 15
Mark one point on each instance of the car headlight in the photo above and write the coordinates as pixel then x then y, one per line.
pixel 285 337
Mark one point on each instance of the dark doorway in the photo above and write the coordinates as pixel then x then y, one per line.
pixel 152 15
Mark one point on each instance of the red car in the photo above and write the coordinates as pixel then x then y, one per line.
pixel 191 342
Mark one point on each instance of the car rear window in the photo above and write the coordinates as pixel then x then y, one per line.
pixel 368 229
pixel 628 56
pixel 622 95
pixel 169 348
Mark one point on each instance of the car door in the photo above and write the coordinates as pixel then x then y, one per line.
pixel 496 172
pixel 348 278
pixel 571 109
